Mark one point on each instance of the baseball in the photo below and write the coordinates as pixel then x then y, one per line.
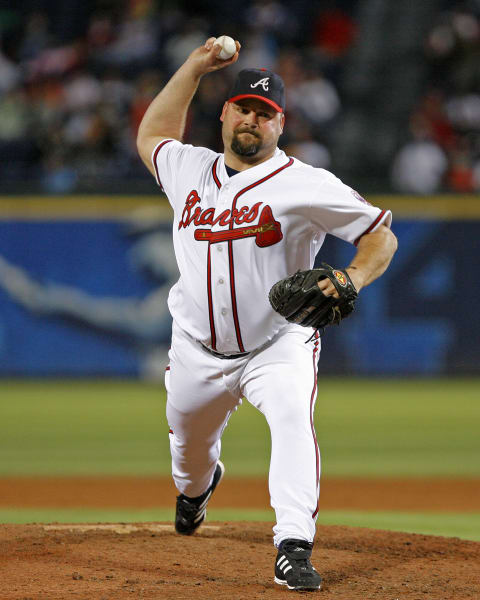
pixel 228 47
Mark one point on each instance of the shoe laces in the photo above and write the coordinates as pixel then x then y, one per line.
pixel 298 551
pixel 187 506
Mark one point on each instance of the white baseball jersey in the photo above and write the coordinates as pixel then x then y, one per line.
pixel 234 237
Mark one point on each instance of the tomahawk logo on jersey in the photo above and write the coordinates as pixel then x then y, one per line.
pixel 267 232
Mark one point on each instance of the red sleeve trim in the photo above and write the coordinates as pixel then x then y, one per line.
pixel 372 226
pixel 154 160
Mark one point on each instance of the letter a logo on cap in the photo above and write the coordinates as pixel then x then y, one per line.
pixel 263 82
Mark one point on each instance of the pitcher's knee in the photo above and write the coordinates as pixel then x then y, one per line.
pixel 289 414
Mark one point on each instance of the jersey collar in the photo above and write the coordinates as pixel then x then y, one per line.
pixel 252 174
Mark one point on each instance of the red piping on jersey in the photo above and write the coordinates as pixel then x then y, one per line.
pixel 155 154
pixel 230 251
pixel 214 173
pixel 312 400
pixel 213 337
pixel 377 220
pixel 252 185
pixel 234 298
pixel 210 305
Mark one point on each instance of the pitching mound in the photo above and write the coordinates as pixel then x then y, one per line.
pixel 226 561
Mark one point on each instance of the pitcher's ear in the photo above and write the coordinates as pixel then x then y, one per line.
pixel 224 110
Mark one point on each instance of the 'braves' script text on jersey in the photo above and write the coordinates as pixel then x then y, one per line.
pixel 235 237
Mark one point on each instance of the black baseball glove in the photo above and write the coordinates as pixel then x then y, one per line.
pixel 299 299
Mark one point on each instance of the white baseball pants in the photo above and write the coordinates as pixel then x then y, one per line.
pixel 280 380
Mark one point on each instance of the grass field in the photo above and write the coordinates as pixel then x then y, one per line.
pixel 365 427
pixel 465 526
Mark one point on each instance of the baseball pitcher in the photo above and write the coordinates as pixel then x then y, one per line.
pixel 248 306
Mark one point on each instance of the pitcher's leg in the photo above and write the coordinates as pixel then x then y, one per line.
pixel 198 408
pixel 281 382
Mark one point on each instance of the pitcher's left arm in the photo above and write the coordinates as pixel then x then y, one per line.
pixel 375 251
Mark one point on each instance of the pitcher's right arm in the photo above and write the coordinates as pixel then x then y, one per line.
pixel 166 115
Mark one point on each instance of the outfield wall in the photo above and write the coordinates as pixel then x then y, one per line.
pixel 84 280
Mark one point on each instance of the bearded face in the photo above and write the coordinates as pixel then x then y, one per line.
pixel 250 130
pixel 246 142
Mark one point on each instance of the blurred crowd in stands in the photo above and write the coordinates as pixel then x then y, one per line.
pixel 77 76
pixel 443 150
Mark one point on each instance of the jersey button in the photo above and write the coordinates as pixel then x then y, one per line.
pixel 224 311
pixel 221 280
pixel 219 248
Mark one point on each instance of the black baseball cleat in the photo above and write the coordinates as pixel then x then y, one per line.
pixel 293 567
pixel 190 512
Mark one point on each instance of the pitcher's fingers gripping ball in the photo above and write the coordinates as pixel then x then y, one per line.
pixel 299 299
pixel 228 47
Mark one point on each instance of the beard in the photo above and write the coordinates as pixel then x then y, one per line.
pixel 248 147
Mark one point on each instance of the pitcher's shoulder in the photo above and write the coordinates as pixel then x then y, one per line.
pixel 311 173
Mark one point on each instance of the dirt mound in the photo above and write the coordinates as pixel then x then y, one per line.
pixel 226 561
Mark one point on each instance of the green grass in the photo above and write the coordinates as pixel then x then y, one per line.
pixel 394 427
pixel 78 427
pixel 463 525
pixel 364 427
pixel 466 526
pixel 102 515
